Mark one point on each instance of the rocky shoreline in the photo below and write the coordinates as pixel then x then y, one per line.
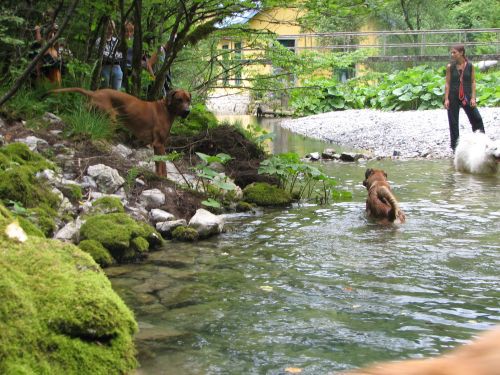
pixel 383 134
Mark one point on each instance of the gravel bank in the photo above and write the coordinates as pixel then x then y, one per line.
pixel 408 134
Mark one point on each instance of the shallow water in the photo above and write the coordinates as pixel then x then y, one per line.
pixel 321 288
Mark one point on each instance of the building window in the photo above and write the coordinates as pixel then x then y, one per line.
pixel 225 64
pixel 288 43
pixel 237 61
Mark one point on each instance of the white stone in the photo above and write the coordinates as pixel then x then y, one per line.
pixel 152 198
pixel 206 223
pixel 156 215
pixel 108 179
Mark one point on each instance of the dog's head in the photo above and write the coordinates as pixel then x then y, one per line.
pixel 493 150
pixel 372 175
pixel 179 102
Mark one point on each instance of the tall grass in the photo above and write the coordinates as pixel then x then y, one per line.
pixel 83 121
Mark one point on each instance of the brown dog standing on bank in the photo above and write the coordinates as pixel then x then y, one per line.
pixel 381 203
pixel 150 122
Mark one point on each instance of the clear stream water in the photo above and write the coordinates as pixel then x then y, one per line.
pixel 322 288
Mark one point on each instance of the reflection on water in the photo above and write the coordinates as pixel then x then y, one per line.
pixel 284 140
pixel 322 288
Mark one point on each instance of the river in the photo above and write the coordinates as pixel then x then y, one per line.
pixel 321 288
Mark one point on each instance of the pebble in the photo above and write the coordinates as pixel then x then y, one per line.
pixel 385 134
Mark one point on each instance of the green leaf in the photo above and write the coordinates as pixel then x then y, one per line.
pixel 211 203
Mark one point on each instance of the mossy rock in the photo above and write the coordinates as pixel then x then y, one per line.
pixel 72 191
pixel 16 154
pixel 242 206
pixel 59 313
pixel 107 205
pixel 43 216
pixel 30 228
pixel 98 252
pixel 116 231
pixel 20 184
pixel 185 233
pixel 140 244
pixel 263 194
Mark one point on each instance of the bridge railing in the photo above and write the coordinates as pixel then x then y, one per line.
pixel 394 45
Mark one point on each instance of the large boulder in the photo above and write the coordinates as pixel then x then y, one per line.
pixel 59 313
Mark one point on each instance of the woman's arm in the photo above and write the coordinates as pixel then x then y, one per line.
pixel 473 85
pixel 447 87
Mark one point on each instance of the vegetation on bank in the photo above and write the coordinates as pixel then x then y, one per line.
pixel 416 88
pixel 59 314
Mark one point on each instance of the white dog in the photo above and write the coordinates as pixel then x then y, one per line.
pixel 477 154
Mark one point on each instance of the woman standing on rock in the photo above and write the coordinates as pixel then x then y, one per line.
pixel 460 91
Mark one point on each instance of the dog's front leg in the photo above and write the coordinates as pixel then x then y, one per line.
pixel 160 166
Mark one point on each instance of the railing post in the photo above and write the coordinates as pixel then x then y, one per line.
pixel 422 47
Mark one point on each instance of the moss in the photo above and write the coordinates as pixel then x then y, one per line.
pixel 244 207
pixel 106 205
pixel 140 244
pixel 185 233
pixel 30 228
pixel 116 231
pixel 43 217
pixel 263 194
pixel 97 252
pixel 72 191
pixel 59 314
pixel 20 154
pixel 20 184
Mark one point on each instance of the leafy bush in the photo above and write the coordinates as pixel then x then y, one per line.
pixel 416 88
pixel 198 120
pixel 300 179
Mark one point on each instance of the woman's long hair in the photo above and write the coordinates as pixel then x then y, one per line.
pixel 459 48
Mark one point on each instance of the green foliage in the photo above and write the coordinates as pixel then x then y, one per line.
pixel 264 194
pixel 59 314
pixel 416 88
pixel 199 119
pixel 301 179
pixel 97 252
pixel 81 121
pixel 215 185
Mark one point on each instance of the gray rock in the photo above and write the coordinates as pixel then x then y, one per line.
pixel 166 227
pixel 206 223
pixel 34 143
pixel 152 198
pixel 108 179
pixel 156 215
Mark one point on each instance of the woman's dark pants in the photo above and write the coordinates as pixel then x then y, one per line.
pixel 471 112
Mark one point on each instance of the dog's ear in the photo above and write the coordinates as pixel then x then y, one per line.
pixel 170 97
pixel 368 173
pixel 385 174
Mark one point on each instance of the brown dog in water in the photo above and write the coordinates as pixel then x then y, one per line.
pixel 480 357
pixel 381 203
pixel 150 122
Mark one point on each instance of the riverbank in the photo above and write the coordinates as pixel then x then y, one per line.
pixel 407 134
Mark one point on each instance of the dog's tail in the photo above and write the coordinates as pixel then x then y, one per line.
pixel 70 89
pixel 385 194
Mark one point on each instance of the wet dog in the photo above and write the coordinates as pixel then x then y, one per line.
pixel 150 122
pixel 480 357
pixel 477 154
pixel 381 203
